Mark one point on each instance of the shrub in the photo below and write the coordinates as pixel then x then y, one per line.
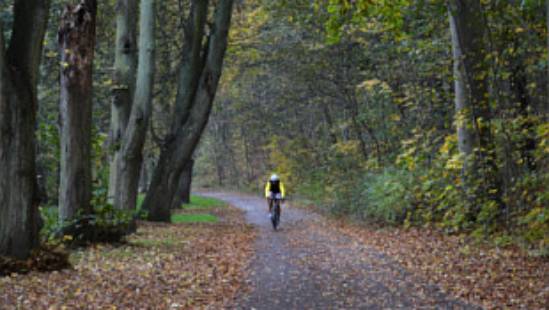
pixel 105 224
pixel 387 197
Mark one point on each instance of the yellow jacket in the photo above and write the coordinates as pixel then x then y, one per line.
pixel 268 189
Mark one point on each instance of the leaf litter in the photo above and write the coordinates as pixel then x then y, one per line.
pixel 167 266
pixel 488 276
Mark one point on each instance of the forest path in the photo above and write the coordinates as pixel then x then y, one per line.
pixel 307 264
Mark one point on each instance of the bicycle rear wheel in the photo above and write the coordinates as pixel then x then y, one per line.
pixel 275 218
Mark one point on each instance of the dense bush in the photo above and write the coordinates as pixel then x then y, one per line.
pixel 387 196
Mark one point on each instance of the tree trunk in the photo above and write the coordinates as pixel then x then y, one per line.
pixel 467 24
pixel 76 43
pixel 180 148
pixel 125 62
pixel 19 216
pixel 462 102
pixel 183 192
pixel 146 169
pixel 192 63
pixel 131 155
pixel 546 109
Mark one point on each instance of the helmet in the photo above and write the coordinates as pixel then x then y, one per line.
pixel 275 177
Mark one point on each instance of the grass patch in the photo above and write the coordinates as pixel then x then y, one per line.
pixel 197 203
pixel 200 202
pixel 194 218
pixel 139 202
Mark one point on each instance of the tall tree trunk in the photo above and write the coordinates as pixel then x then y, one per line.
pixel 131 155
pixel 471 70
pixel 183 191
pixel 547 25
pixel 181 147
pixel 461 99
pixel 192 63
pixel 76 43
pixel 19 217
pixel 125 62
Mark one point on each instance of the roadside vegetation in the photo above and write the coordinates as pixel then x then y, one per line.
pixel 409 113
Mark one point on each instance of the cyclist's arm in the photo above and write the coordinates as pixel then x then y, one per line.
pixel 282 190
pixel 267 190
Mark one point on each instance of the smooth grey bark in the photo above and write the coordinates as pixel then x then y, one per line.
pixel 467 28
pixel 461 100
pixel 472 100
pixel 131 155
pixel 469 36
pixel 147 168
pixel 19 216
pixel 179 149
pixel 125 63
pixel 76 44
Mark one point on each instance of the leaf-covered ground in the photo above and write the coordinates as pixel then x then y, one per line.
pixel 162 266
pixel 492 277
pixel 310 264
pixel 320 263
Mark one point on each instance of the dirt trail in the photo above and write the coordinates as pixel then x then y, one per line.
pixel 309 265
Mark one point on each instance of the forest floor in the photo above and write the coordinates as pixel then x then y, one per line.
pixel 162 266
pixel 314 262
pixel 311 262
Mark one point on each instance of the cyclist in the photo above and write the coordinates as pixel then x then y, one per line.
pixel 274 189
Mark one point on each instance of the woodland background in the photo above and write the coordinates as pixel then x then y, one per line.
pixel 408 112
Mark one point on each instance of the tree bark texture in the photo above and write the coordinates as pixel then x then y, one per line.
pixel 469 35
pixel 547 25
pixel 461 99
pixel 473 112
pixel 180 148
pixel 76 43
pixel 19 216
pixel 125 63
pixel 192 63
pixel 183 191
pixel 147 168
pixel 131 155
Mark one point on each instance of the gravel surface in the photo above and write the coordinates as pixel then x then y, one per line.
pixel 307 264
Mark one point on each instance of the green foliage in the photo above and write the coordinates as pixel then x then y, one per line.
pixel 378 140
pixel 387 196
pixel 536 228
pixel 105 224
pixel 51 224
pixel 48 160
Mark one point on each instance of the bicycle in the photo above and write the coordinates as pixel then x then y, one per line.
pixel 275 211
